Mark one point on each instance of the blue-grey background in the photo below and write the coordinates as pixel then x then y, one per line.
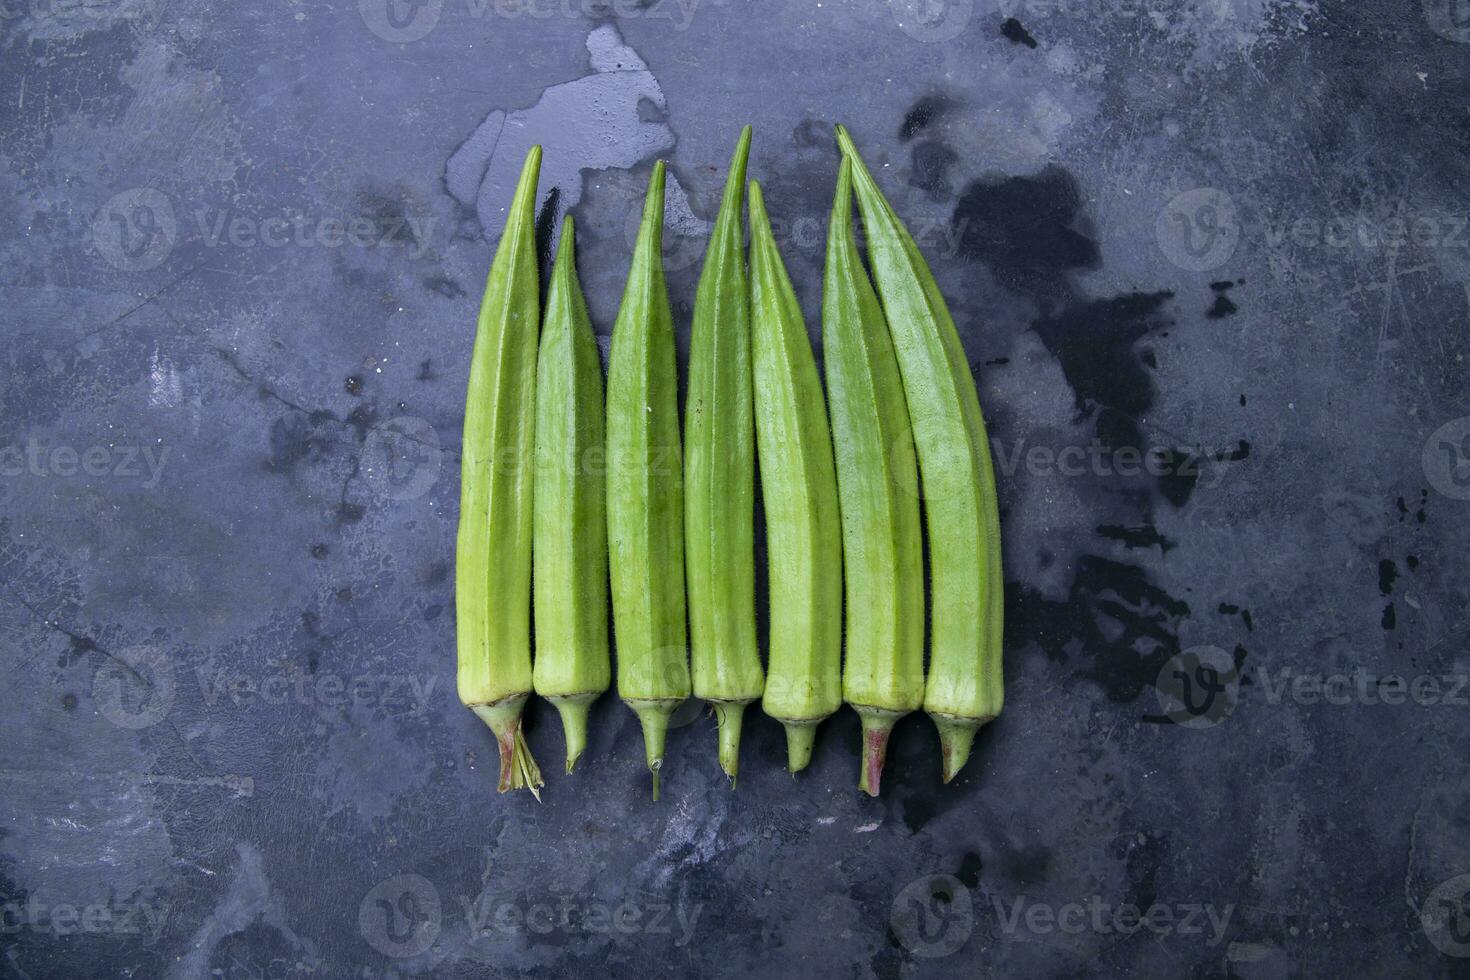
pixel 1211 266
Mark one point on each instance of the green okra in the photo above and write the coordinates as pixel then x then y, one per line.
pixel 882 551
pixel 799 492
pixel 492 575
pixel 645 492
pixel 569 567
pixel 719 478
pixel 964 688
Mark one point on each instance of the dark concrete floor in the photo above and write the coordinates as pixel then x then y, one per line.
pixel 1211 265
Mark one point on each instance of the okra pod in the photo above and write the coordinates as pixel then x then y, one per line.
pixel 964 687
pixel 882 551
pixel 719 478
pixel 645 492
pixel 572 665
pixel 799 491
pixel 492 574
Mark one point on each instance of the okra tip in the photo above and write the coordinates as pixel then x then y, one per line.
pixel 524 199
pixel 763 248
pixel 573 711
pixel 656 188
pixel 651 227
pixel 742 145
pixel 877 727
pixel 565 247
pixel 735 180
pixel 840 241
pixel 757 203
pixel 653 716
pixel 518 769
pixel 801 736
pixel 729 715
pixel 956 735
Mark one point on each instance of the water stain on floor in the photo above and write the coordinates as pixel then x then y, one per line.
pixel 611 118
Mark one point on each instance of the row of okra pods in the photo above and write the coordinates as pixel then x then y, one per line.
pixel 669 526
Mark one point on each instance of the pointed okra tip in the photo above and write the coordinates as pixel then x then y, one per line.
pixel 654 202
pixel 530 174
pixel 844 140
pixel 573 713
pixel 651 226
pixel 742 145
pixel 842 201
pixel 761 235
pixel 653 716
pixel 860 174
pixel 801 737
pixel 735 179
pixel 877 727
pixel 566 248
pixel 956 736
pixel 729 716
pixel 757 200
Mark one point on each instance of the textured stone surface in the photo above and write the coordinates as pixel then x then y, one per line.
pixel 243 246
